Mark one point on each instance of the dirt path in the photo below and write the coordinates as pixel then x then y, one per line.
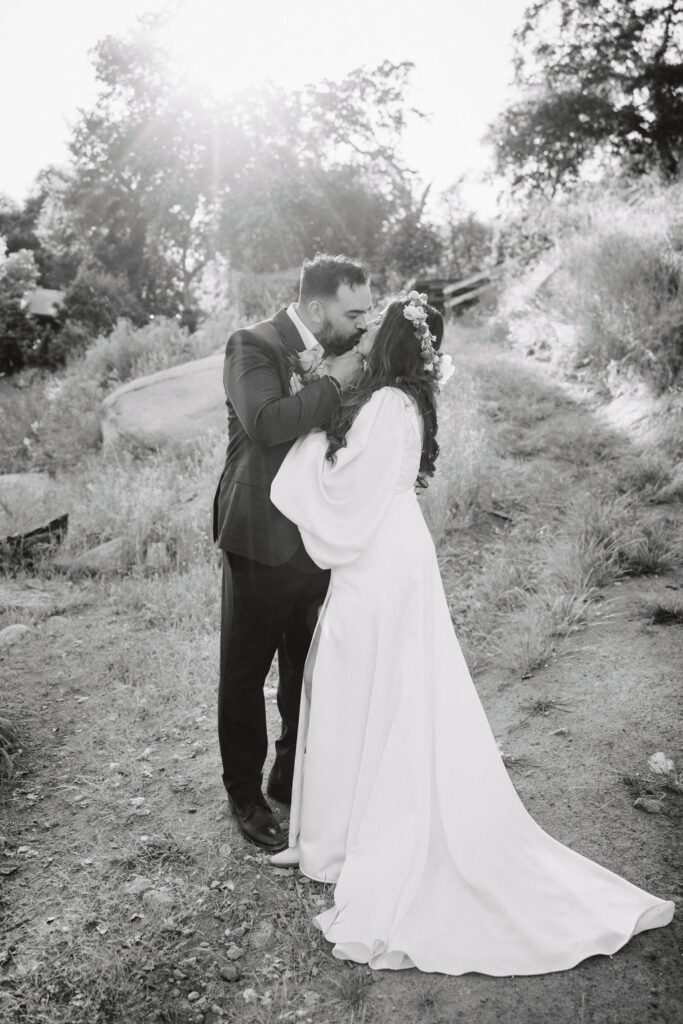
pixel 127 894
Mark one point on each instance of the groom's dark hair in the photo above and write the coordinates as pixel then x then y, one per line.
pixel 322 276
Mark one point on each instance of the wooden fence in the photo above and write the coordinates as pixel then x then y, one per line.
pixel 448 294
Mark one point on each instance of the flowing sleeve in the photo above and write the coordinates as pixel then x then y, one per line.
pixel 339 506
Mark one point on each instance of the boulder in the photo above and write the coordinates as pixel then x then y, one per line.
pixel 31 509
pixel 111 556
pixel 181 404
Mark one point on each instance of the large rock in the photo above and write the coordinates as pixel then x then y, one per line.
pixel 180 404
pixel 113 556
pixel 30 509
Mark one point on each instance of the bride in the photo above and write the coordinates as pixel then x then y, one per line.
pixel 400 794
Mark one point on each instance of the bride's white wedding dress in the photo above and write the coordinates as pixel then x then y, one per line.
pixel 400 794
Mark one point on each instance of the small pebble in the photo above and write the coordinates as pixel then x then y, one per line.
pixel 192 997
pixel 13 634
pixel 230 972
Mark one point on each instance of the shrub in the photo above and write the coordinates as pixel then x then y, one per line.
pixel 57 347
pixel 625 292
pixel 130 352
pixel 18 336
pixel 96 300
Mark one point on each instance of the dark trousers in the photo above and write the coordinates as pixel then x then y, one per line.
pixel 264 609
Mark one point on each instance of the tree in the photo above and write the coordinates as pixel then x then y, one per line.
pixel 148 177
pixel 18 334
pixel 413 246
pixel 601 79
pixel 17 226
pixel 467 240
pixel 96 300
pixel 44 226
pixel 164 180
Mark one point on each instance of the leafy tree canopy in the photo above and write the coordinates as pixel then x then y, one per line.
pixel 165 179
pixel 600 79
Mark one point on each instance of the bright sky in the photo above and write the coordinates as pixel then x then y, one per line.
pixel 461 50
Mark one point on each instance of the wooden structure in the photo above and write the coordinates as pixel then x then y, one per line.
pixel 44 303
pixel 448 294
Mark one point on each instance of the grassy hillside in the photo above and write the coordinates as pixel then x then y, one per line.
pixel 604 292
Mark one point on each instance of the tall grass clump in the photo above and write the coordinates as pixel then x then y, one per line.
pixel 8 745
pixel 165 497
pixel 130 352
pixel 624 292
pixel 463 477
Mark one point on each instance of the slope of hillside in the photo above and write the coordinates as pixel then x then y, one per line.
pixel 128 893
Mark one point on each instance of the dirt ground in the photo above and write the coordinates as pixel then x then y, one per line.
pixel 128 895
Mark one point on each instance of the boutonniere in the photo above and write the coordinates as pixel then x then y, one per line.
pixel 305 366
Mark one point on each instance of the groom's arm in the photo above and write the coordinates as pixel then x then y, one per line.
pixel 253 384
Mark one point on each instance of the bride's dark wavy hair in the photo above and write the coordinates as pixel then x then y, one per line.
pixel 395 361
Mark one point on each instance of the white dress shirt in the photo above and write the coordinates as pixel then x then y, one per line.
pixel 307 336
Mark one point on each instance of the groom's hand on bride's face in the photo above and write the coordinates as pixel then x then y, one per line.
pixel 347 368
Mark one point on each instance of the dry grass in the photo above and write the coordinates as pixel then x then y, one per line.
pixel 9 744
pixel 649 475
pixel 555 482
pixel 166 497
pixel 669 614
pixel 465 469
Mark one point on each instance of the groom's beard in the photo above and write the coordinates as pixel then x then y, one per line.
pixel 334 343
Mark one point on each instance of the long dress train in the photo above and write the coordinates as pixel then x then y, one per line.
pixel 400 795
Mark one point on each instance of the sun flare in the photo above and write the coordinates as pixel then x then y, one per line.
pixel 225 48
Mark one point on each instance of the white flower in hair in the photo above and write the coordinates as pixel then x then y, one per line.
pixel 415 313
pixel 446 369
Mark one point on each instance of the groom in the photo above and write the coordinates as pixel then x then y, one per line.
pixel 271 588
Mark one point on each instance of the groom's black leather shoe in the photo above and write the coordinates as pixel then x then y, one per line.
pixel 257 823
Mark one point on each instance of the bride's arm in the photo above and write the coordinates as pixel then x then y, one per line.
pixel 339 506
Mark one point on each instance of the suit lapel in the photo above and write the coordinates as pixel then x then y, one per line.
pixel 291 338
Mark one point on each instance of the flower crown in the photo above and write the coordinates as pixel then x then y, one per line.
pixel 415 311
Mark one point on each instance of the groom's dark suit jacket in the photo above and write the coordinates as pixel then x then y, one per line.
pixel 264 419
